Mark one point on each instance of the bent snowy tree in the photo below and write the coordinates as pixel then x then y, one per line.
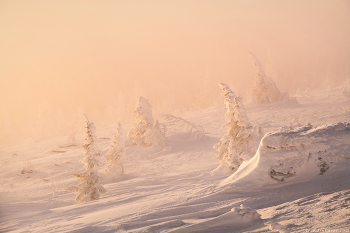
pixel 145 132
pixel 178 124
pixel 265 89
pixel 89 187
pixel 236 145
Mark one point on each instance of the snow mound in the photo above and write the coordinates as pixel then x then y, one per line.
pixel 158 227
pixel 221 170
pixel 331 208
pixel 237 220
pixel 247 213
pixel 306 151
pixel 276 227
pixel 28 167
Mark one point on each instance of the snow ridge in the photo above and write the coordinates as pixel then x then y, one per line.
pixel 282 155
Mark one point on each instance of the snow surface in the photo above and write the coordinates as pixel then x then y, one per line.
pixel 180 187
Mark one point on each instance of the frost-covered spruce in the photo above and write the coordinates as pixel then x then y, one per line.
pixel 115 153
pixel 265 89
pixel 145 132
pixel 89 187
pixel 236 145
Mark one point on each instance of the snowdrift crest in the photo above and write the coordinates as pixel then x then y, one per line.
pixel 282 155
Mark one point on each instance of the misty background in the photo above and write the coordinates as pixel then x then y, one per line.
pixel 62 58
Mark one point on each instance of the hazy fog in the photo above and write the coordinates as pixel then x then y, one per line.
pixel 59 58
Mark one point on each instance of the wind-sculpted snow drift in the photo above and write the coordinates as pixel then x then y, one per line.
pixel 235 220
pixel 306 150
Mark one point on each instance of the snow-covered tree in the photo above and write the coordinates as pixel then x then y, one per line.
pixel 236 145
pixel 132 96
pixel 115 153
pixel 145 131
pixel 89 187
pixel 265 89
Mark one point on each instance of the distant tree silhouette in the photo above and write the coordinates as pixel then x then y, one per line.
pixel 265 89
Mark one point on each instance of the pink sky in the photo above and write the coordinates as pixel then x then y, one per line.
pixel 84 53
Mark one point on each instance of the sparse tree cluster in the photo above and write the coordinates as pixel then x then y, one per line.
pixel 145 132
pixel 236 145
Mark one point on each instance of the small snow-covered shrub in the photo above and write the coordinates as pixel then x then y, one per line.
pixel 295 122
pixel 258 131
pixel 236 145
pixel 265 89
pixel 292 125
pixel 145 131
pixel 346 89
pixel 28 167
pixel 276 227
pixel 178 124
pixel 89 187
pixel 115 153
pixel 247 213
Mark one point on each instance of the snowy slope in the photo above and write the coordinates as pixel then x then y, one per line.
pixel 172 188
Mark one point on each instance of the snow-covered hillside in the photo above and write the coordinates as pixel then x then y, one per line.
pixel 298 180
